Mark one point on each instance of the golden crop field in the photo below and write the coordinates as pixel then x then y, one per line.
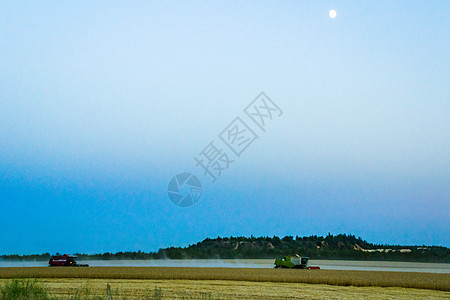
pixel 227 289
pixel 432 281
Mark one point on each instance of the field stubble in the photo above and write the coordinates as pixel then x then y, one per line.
pixel 221 289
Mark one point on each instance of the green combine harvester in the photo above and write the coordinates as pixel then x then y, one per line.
pixel 293 262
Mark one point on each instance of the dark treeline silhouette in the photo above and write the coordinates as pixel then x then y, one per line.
pixel 341 246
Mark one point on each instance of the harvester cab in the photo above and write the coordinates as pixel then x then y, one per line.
pixel 65 260
pixel 292 262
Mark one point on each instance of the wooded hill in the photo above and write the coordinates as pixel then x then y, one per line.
pixel 340 246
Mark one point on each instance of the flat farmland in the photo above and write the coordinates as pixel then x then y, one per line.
pixel 226 289
pixel 430 281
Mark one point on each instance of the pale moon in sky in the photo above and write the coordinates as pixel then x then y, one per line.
pixel 332 14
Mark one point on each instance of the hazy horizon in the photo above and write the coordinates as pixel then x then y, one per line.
pixel 176 246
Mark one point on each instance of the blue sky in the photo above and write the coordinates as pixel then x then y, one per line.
pixel 101 104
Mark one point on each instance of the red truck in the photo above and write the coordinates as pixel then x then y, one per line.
pixel 65 260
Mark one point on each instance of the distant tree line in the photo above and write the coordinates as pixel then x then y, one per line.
pixel 341 246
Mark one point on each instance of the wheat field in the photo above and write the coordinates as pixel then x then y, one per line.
pixel 225 289
pixel 431 281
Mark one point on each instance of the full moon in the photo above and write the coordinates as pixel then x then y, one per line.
pixel 332 13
